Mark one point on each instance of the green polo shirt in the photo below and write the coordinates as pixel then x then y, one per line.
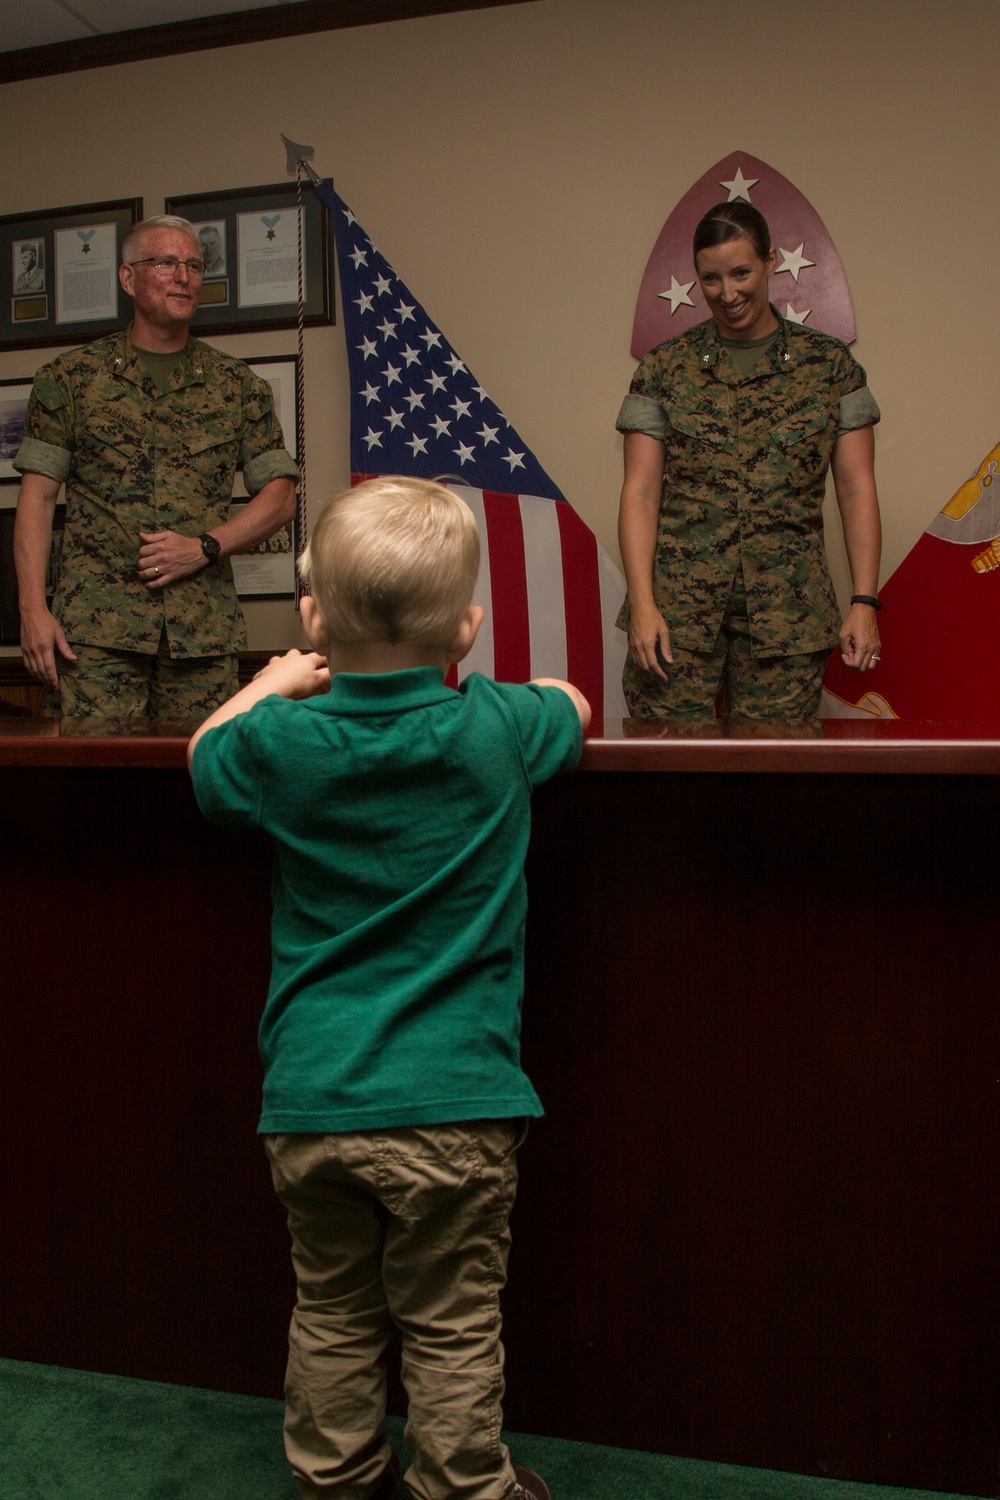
pixel 399 811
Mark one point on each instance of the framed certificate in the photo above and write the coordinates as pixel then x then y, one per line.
pixel 249 239
pixel 59 273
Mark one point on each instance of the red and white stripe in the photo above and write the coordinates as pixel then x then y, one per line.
pixel 551 596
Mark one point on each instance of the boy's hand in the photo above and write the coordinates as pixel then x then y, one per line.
pixel 297 674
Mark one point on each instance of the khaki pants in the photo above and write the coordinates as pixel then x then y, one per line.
pixel 405 1227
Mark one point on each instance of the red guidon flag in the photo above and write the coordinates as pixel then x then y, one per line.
pixel 940 621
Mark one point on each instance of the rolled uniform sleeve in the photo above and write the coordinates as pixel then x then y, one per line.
pixel 642 414
pixel 858 409
pixel 263 455
pixel 47 445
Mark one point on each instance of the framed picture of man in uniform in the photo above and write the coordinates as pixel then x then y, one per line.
pixel 59 273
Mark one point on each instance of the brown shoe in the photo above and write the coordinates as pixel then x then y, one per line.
pixel 389 1483
pixel 529 1486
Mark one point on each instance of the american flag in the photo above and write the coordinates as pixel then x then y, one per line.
pixel 549 590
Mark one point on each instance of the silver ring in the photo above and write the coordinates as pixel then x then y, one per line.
pixel 156 572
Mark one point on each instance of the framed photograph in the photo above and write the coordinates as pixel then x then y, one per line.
pixel 281 371
pixel 13 404
pixel 249 242
pixel 10 615
pixel 268 572
pixel 59 273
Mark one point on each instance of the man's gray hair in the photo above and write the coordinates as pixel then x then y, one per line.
pixel 159 221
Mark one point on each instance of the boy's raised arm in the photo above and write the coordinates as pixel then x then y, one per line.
pixel 297 674
pixel 579 701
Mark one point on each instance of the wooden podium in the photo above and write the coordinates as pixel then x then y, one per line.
pixel 759 1223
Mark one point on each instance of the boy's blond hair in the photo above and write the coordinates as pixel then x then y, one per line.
pixel 393 559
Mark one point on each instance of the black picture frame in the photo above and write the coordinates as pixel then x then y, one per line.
pixel 268 571
pixel 39 296
pixel 14 395
pixel 229 301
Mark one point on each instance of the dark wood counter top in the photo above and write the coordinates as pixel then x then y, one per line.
pixel 760 1013
pixel 831 746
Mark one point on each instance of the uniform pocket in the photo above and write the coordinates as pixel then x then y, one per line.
pixel 805 440
pixel 695 444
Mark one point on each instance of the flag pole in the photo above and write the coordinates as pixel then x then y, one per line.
pixel 297 159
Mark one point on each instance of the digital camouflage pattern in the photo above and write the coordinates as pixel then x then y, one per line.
pixel 135 685
pixel 137 459
pixel 758 689
pixel 746 460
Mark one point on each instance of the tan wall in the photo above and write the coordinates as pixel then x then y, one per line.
pixel 516 165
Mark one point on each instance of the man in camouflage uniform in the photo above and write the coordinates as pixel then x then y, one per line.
pixel 740 573
pixel 147 429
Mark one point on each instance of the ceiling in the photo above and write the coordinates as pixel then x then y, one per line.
pixel 37 23
pixel 41 37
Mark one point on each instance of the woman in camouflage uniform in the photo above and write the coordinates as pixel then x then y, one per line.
pixel 730 429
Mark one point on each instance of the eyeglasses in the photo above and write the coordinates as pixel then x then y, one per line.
pixel 166 265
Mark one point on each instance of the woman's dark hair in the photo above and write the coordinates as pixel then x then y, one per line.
pixel 732 221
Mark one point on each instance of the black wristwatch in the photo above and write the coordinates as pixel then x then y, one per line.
pixel 211 546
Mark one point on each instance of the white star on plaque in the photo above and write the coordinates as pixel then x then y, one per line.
pixel 796 317
pixel 739 187
pixel 794 261
pixel 677 295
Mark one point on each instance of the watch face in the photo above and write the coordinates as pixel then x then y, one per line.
pixel 211 547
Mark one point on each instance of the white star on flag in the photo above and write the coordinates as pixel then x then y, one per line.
pixel 549 592
pixel 677 295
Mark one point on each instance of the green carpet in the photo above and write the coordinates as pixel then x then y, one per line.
pixel 70 1435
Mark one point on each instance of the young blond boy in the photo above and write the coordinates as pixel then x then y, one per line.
pixel 394 1099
